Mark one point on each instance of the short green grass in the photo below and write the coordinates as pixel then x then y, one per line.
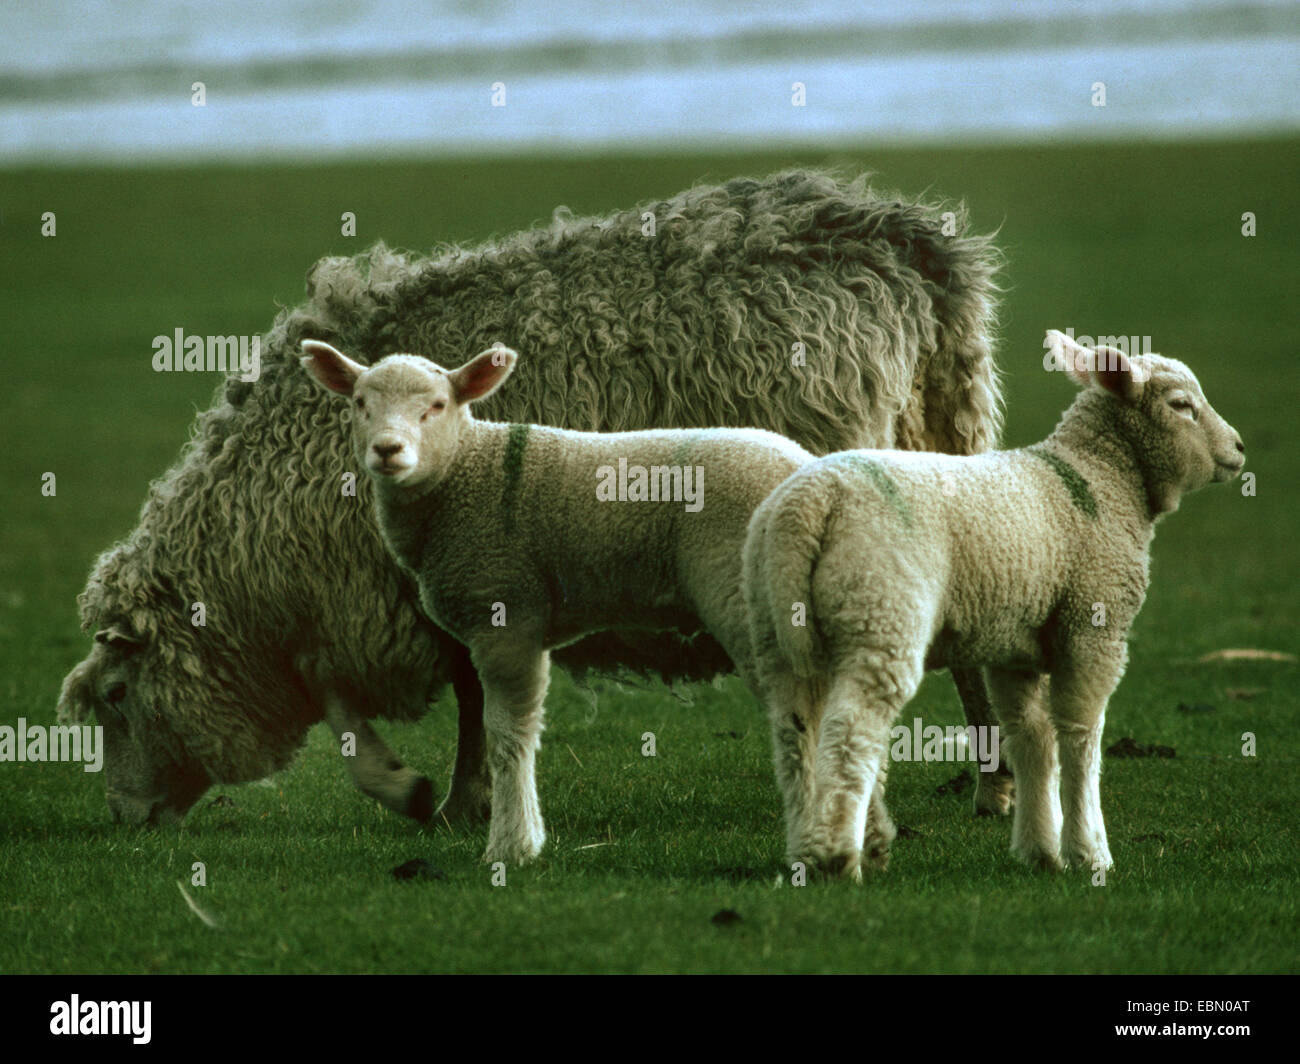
pixel 644 851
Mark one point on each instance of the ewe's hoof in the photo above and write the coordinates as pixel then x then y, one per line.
pixel 993 796
pixel 463 812
pixel 419 803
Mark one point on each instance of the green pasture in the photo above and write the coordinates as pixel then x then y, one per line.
pixel 644 852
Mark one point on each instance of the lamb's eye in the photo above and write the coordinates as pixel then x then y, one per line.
pixel 437 408
pixel 361 403
pixel 1184 406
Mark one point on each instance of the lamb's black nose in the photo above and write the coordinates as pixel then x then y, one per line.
pixel 387 450
pixel 1240 445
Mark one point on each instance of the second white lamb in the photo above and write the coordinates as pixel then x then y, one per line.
pixel 866 568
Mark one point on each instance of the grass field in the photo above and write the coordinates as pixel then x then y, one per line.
pixel 643 852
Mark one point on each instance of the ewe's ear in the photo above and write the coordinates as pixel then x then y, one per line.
pixel 1071 356
pixel 1117 373
pixel 117 636
pixel 483 374
pixel 74 705
pixel 331 368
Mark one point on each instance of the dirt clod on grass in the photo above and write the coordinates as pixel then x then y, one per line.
pixel 418 868
pixel 1128 747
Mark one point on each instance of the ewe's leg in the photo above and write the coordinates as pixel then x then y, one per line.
pixel 794 712
pixel 374 769
pixel 1078 701
pixel 514 677
pixel 1030 745
pixel 852 743
pixel 993 790
pixel 469 798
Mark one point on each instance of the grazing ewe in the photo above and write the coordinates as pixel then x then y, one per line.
pixel 523 539
pixel 1032 562
pixel 691 326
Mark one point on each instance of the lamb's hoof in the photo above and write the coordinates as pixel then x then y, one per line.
pixel 875 858
pixel 512 854
pixel 464 812
pixel 1039 860
pixel 841 866
pixel 1087 860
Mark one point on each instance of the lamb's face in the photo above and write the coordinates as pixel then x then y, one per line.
pixel 406 421
pixel 1186 441
pixel 409 412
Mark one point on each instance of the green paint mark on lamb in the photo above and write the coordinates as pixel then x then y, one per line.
pixel 513 466
pixel 1080 494
pixel 682 449
pixel 884 484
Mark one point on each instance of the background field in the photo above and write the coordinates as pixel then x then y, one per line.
pixel 644 851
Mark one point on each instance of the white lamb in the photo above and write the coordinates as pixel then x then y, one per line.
pixel 1032 562
pixel 524 538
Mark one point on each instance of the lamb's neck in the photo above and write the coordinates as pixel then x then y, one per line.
pixel 409 513
pixel 1089 437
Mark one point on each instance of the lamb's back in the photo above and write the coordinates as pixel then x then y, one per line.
pixel 978 547
pixel 542 517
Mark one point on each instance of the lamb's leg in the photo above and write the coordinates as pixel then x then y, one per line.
pixel 469 798
pixel 880 832
pixel 1078 701
pixel 851 745
pixel 373 768
pixel 993 790
pixel 514 678
pixel 794 714
pixel 1030 744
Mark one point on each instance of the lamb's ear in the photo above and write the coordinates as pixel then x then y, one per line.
pixel 331 368
pixel 1117 373
pixel 483 374
pixel 1072 356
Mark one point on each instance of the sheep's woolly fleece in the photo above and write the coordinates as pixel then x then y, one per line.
pixel 692 327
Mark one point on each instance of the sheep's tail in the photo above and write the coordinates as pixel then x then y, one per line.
pixel 793 529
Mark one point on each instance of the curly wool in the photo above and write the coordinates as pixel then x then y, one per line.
pixel 692 327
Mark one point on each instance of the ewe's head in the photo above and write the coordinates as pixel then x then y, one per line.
pixel 1180 441
pixel 149 777
pixel 408 412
